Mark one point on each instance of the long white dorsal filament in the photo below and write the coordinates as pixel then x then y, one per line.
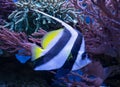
pixel 60 21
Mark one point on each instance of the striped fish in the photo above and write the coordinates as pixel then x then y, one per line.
pixel 61 49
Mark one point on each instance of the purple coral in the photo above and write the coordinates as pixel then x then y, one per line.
pixel 102 33
pixel 6 7
pixel 13 41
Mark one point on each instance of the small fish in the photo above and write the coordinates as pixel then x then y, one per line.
pixel 1 51
pixel 15 0
pixel 61 49
pixel 88 20
pixel 22 58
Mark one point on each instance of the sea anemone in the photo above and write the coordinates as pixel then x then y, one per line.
pixel 25 19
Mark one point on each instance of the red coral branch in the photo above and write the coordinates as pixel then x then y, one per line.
pixel 102 33
pixel 6 7
pixel 13 41
pixel 36 37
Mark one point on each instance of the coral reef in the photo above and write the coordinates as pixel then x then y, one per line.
pixel 98 20
pixel 20 40
pixel 25 19
pixel 13 41
pixel 6 8
pixel 88 76
pixel 102 32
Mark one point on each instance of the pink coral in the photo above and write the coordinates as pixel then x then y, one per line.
pixel 102 33
pixel 13 41
pixel 6 7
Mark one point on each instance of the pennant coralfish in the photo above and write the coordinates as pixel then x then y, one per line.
pixel 61 49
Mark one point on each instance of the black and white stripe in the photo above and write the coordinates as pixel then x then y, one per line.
pixel 58 54
pixel 70 42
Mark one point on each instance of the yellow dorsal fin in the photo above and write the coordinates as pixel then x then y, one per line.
pixel 49 37
pixel 36 52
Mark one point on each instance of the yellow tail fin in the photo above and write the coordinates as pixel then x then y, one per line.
pixel 36 52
